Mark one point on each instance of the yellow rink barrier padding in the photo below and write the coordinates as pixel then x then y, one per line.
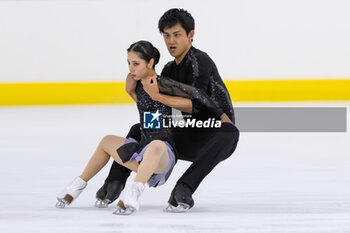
pixel 12 94
pixel 63 93
pixel 289 90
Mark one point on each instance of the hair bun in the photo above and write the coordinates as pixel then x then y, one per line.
pixel 156 55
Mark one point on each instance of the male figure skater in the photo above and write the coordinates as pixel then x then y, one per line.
pixel 205 148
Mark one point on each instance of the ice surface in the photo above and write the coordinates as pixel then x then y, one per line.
pixel 274 182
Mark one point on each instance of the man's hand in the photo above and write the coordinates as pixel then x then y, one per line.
pixel 130 86
pixel 151 87
pixel 225 119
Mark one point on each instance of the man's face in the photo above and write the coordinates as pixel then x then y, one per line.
pixel 177 41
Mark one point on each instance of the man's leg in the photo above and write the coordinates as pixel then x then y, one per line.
pixel 116 179
pixel 206 150
pixel 214 149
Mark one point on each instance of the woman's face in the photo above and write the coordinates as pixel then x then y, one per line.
pixel 138 67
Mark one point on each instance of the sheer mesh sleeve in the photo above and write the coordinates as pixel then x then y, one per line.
pixel 174 88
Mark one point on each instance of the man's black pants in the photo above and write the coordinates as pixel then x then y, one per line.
pixel 205 148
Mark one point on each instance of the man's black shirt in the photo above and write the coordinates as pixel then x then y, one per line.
pixel 198 70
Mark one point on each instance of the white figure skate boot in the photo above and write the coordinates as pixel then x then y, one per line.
pixel 70 192
pixel 129 202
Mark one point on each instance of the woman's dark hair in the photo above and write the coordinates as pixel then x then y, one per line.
pixel 175 16
pixel 146 51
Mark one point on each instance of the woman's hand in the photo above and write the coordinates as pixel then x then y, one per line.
pixel 151 87
pixel 130 86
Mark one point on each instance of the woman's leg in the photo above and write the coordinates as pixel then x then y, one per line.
pixel 155 160
pixel 107 148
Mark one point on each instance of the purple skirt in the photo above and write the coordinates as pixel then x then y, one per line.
pixel 156 179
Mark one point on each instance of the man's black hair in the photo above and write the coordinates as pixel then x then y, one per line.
pixel 176 16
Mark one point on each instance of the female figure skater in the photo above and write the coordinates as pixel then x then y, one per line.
pixel 152 159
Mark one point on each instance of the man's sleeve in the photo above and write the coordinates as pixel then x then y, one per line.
pixel 174 88
pixel 202 70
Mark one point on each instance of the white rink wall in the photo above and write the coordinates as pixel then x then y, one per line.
pixel 76 40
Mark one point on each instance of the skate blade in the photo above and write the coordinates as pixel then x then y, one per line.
pixel 127 211
pixel 123 209
pixel 61 204
pixel 102 203
pixel 181 208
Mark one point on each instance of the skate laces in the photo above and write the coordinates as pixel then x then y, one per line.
pixel 138 188
pixel 70 192
pixel 132 194
pixel 77 184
